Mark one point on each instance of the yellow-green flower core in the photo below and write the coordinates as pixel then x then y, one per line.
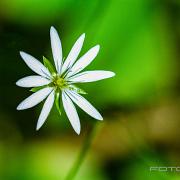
pixel 59 82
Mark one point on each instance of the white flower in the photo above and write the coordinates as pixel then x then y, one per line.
pixel 49 84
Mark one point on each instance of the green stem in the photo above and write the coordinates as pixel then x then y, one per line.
pixel 84 150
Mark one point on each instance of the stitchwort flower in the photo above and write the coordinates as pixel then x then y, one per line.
pixel 53 83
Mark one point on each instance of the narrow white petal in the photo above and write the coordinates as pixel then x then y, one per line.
pixel 45 110
pixel 90 76
pixel 73 53
pixel 56 48
pixel 84 104
pixel 32 81
pixel 34 99
pixel 84 61
pixel 71 112
pixel 35 65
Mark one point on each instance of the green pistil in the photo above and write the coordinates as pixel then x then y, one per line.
pixel 59 82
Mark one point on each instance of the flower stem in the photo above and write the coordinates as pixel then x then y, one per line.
pixel 82 155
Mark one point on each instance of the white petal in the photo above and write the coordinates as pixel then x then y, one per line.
pixel 71 112
pixel 84 61
pixel 90 76
pixel 73 53
pixel 35 65
pixel 84 104
pixel 45 110
pixel 56 48
pixel 34 99
pixel 32 81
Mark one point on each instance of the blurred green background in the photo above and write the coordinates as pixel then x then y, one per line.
pixel 140 42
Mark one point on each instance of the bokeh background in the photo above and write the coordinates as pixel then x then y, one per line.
pixel 140 42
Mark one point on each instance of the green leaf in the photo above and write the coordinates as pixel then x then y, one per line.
pixel 76 89
pixel 57 102
pixel 48 64
pixel 35 89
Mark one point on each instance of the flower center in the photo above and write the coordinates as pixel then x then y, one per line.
pixel 59 82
